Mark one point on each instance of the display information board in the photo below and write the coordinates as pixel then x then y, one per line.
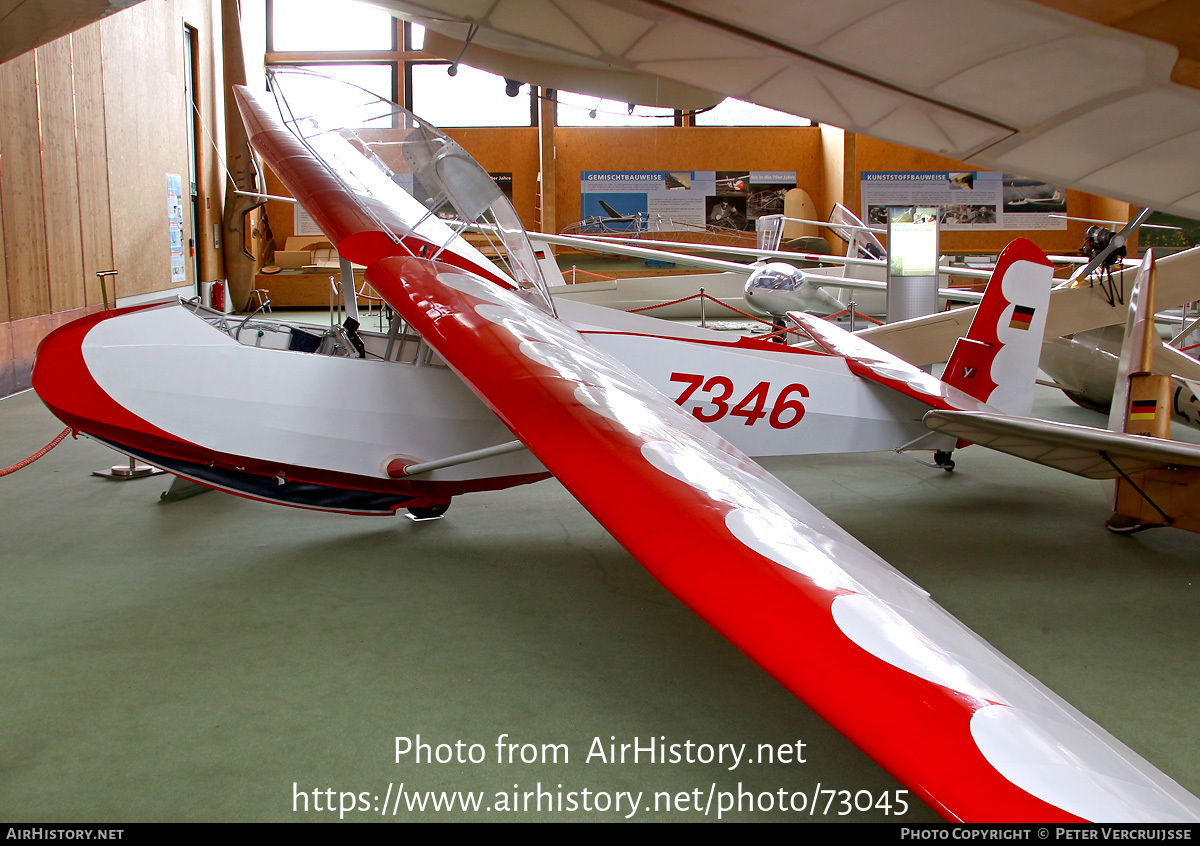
pixel 913 240
pixel 967 200
pixel 912 261
pixel 663 200
pixel 175 227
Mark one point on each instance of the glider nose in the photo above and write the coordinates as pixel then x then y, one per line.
pixel 64 382
pixel 775 288
pixel 59 371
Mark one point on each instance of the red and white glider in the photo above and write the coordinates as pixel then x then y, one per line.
pixel 963 727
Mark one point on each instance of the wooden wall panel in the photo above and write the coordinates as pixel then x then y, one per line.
pixel 507 149
pixel 8 378
pixel 7 372
pixel 851 181
pixel 873 154
pixel 145 132
pixel 1104 208
pixel 684 148
pixel 26 335
pixel 833 166
pixel 60 175
pixel 92 149
pixel 3 262
pixel 204 17
pixel 90 125
pixel 24 219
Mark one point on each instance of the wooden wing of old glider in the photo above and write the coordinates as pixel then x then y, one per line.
pixel 1083 450
pixel 967 730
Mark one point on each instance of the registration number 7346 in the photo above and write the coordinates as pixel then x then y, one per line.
pixel 716 393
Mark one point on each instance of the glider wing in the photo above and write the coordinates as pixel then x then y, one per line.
pixel 967 730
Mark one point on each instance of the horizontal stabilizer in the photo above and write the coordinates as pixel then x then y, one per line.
pixel 870 362
pixel 1064 446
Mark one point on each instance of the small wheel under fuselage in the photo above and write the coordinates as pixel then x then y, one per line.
pixel 428 512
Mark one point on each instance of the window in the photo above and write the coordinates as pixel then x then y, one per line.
pixel 308 26
pixel 585 110
pixel 414 37
pixel 733 112
pixel 377 77
pixel 362 41
pixel 469 98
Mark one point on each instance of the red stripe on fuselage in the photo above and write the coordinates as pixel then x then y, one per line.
pixel 64 383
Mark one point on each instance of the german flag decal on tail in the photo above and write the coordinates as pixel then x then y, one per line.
pixel 1143 409
pixel 1022 317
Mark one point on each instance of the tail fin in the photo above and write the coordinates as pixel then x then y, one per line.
pixel 1141 400
pixel 996 361
pixel 1141 406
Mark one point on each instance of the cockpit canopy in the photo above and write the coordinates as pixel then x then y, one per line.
pixel 434 190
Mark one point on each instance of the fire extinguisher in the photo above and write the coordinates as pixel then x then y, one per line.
pixel 218 296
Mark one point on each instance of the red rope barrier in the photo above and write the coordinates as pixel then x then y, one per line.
pixel 360 293
pixel 745 314
pixel 38 454
pixel 738 310
pixel 576 271
pixel 661 305
pixel 792 330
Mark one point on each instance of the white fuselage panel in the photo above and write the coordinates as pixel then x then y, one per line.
pixel 177 371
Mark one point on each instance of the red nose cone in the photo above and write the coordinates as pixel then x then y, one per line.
pixel 62 380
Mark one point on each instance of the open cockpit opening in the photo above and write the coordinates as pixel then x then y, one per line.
pixel 400 344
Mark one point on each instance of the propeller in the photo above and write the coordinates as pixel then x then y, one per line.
pixel 1115 243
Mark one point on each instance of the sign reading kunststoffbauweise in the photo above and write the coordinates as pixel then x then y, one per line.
pixel 967 199
pixel 661 200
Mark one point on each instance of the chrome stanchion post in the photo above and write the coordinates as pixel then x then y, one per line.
pixel 134 469
pixel 124 472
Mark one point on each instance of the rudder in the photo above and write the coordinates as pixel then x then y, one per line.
pixel 996 361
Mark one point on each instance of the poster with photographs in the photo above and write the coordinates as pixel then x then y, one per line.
pixel 763 192
pixel 665 201
pixel 967 199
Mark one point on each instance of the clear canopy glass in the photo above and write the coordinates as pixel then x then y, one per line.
pixel 418 185
pixel 861 240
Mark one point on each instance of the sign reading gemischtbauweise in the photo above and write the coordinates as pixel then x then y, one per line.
pixel 661 200
pixel 967 200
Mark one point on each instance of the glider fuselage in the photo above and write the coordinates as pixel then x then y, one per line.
pixel 242 406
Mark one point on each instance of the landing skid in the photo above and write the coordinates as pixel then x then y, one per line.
pixel 1123 524
pixel 432 512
